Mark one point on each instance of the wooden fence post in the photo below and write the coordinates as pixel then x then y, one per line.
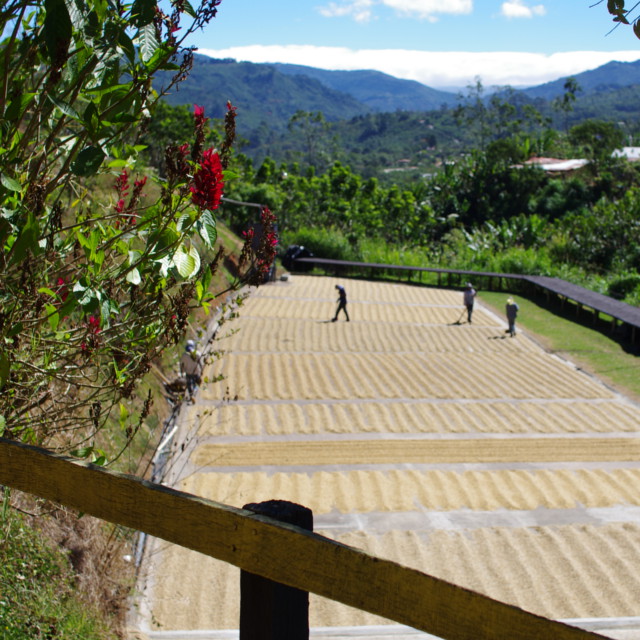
pixel 270 610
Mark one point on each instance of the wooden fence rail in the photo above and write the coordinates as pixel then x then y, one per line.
pixel 281 552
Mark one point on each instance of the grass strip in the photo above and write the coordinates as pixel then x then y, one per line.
pixel 593 346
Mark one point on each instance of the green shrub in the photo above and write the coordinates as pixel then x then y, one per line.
pixel 323 243
pixel 37 595
pixel 624 286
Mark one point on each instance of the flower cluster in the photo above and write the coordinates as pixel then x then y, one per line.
pixel 229 134
pixel 122 188
pixel 268 241
pixel 177 162
pixel 206 188
pixel 200 123
pixel 62 290
pixel 260 246
pixel 92 339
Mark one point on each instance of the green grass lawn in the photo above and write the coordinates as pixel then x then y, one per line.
pixel 594 349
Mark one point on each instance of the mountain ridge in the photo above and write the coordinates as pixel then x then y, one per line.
pixel 381 119
pixel 283 89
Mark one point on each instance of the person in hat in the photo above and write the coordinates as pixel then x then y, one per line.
pixel 468 297
pixel 512 313
pixel 342 303
pixel 190 366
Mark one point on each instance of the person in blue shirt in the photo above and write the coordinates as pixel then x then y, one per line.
pixel 342 303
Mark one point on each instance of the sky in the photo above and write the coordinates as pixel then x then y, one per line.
pixel 440 43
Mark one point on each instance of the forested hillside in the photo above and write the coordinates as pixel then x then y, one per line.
pixel 379 91
pixel 380 124
pixel 343 193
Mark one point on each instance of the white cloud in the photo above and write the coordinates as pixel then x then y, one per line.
pixel 518 9
pixel 362 10
pixel 359 10
pixel 429 8
pixel 435 68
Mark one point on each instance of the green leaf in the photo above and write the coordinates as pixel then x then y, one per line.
pixel 124 416
pixel 147 42
pixel 118 164
pixel 206 279
pixel 143 12
pixel 27 241
pixel 68 306
pixel 5 367
pixel 134 277
pixel 17 107
pixel 83 452
pixel 207 229
pixel 88 162
pixel 227 174
pixel 15 330
pixel 163 240
pixel 187 262
pixel 52 316
pixel 183 222
pixel 159 59
pixel 101 7
pixel 3 425
pixel 91 118
pixel 57 28
pixel 10 183
pixel 188 9
pixel 105 312
pixel 67 109
pixel 127 46
pixel 615 6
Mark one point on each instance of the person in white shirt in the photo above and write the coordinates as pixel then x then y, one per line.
pixel 469 296
pixel 512 309
pixel 190 366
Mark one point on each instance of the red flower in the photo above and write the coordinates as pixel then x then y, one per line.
pixel 122 184
pixel 94 324
pixel 207 186
pixel 62 291
pixel 198 115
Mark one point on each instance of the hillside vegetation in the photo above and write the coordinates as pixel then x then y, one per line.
pixel 371 118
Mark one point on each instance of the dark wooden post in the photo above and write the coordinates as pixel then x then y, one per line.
pixel 270 610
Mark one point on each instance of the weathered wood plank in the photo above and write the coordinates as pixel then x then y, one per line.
pixel 277 551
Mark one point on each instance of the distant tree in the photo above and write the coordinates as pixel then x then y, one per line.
pixel 502 114
pixel 472 113
pixel 596 140
pixel 565 103
pixel 312 129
